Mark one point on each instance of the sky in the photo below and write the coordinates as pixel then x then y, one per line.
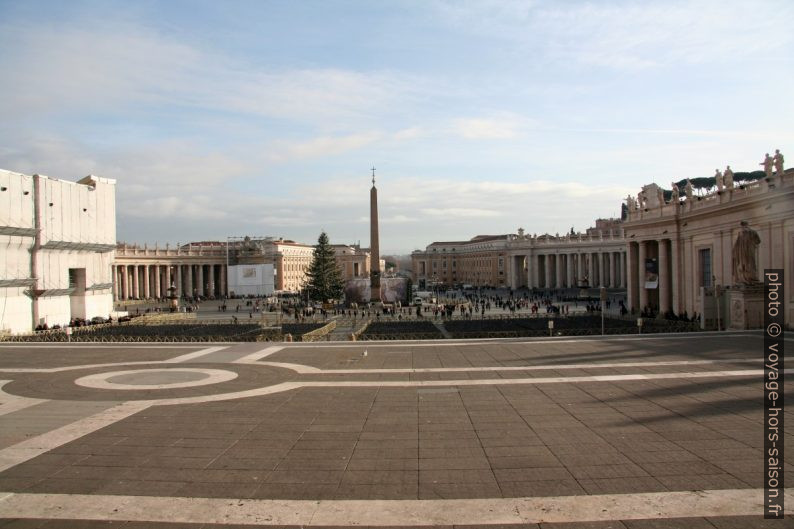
pixel 263 118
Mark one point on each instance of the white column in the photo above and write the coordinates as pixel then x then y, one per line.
pixel 180 287
pixel 569 267
pixel 189 280
pixel 632 275
pixel 613 270
pixel 158 281
pixel 624 266
pixel 547 264
pixel 125 282
pixel 643 254
pixel 577 268
pixel 167 277
pixel 114 276
pixel 664 277
pixel 200 280
pixel 212 269
pixel 583 269
pixel 136 293
pixel 534 271
pixel 675 257
pixel 222 279
pixel 602 271
pixel 154 285
pixel 558 279
pixel 145 281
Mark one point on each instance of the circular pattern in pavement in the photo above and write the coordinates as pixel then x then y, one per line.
pixel 138 379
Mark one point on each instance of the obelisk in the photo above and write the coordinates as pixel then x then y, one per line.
pixel 374 242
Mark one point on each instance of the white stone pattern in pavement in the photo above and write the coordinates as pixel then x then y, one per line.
pixel 592 508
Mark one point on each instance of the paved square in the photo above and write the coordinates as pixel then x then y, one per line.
pixel 657 431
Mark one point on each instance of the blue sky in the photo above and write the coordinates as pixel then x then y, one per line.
pixel 262 118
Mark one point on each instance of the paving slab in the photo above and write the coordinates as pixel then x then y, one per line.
pixel 615 421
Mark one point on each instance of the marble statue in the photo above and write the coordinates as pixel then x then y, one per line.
pixel 728 178
pixel 660 195
pixel 718 178
pixel 767 163
pixel 676 194
pixel 641 200
pixel 777 160
pixel 630 203
pixel 688 189
pixel 745 271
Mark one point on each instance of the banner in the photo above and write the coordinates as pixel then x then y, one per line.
pixel 652 273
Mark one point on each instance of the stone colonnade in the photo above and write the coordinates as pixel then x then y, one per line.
pixel 151 281
pixel 570 269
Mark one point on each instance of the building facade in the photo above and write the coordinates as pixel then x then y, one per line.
pixel 596 258
pixel 680 249
pixel 353 261
pixel 201 268
pixel 58 239
pixel 670 253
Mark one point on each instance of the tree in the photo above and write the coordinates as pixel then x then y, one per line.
pixel 323 278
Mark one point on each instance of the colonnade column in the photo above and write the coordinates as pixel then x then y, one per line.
pixel 158 280
pixel 613 270
pixel 577 268
pixel 135 292
pixel 664 277
pixel 640 274
pixel 569 267
pixel 179 286
pixel 115 277
pixel 585 272
pixel 534 272
pixel 624 267
pixel 676 296
pixel 547 266
pixel 145 270
pixel 602 270
pixel 222 279
pixel 212 270
pixel 200 280
pixel 189 280
pixel 632 296
pixel 559 271
pixel 591 269
pixel 167 277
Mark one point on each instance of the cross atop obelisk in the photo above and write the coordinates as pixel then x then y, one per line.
pixel 374 243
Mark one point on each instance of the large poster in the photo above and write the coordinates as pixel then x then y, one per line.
pixel 251 280
pixel 392 290
pixel 651 273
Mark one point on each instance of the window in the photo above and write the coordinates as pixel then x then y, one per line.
pixel 705 267
pixel 77 279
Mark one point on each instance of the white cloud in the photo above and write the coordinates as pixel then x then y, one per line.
pixel 66 69
pixel 470 212
pixel 323 146
pixel 644 35
pixel 629 35
pixel 501 127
